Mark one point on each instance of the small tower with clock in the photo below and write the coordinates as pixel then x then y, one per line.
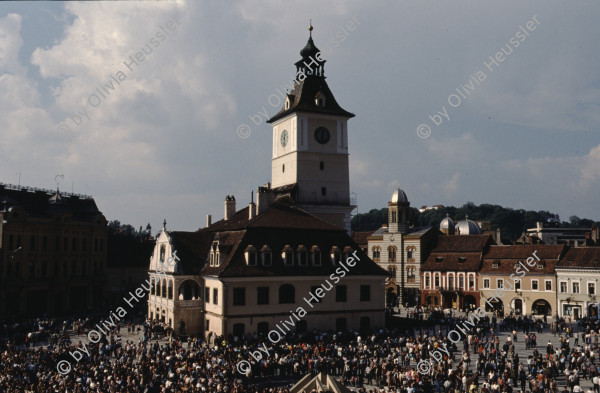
pixel 310 144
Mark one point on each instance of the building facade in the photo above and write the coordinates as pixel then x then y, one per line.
pixel 525 273
pixel 449 274
pixel 53 252
pixel 287 262
pixel 401 250
pixel 577 276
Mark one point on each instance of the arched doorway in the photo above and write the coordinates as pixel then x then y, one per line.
pixel 391 297
pixel 496 305
pixel 517 306
pixel 541 307
pixel 469 303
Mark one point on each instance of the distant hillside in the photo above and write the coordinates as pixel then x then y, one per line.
pixel 511 222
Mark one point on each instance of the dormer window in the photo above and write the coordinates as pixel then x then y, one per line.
pixel 496 264
pixel 302 256
pixel 287 255
pixel 288 102
pixel 320 100
pixel 540 265
pixel 251 255
pixel 316 255
pixel 214 254
pixel 336 255
pixel 462 259
pixel 348 252
pixel 439 259
pixel 266 255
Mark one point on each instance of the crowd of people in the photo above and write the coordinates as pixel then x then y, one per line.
pixel 382 360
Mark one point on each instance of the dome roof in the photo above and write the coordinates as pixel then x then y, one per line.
pixel 447 223
pixel 399 196
pixel 468 227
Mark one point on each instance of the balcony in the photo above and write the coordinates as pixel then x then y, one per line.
pixel 189 303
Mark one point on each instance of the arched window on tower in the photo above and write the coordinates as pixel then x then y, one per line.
pixel 392 253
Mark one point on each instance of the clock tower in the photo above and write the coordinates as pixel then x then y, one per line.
pixel 310 144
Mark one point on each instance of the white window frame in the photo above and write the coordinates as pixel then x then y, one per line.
pixel 500 283
pixel 566 286
pixel 537 284
pixel 594 285
pixel 546 286
pixel 486 281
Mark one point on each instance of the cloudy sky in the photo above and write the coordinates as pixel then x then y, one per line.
pixel 160 138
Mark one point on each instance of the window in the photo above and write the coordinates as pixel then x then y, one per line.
pixel 392 271
pixel 393 216
pixel 365 293
pixel 486 283
pixel 496 264
pixel 437 281
pixel 462 259
pixel 251 255
pixel 534 285
pixel 322 165
pixel 215 296
pixel 336 256
pixel 323 191
pixel 316 256
pixel 591 288
pixel 410 253
pixel 239 296
pixel 302 256
pixel 427 282
pixel 548 284
pixel 461 282
pixel 392 254
pixel 83 244
pixel 410 275
pixel 450 282
pixel 500 283
pixel 162 251
pixel 287 294
pixel 312 290
pixel 517 284
pixel 266 255
pixel 262 295
pixel 376 254
pixel 439 259
pixel 288 256
pixel 575 287
pixel 563 287
pixel 207 294
pixel 540 265
pixel 472 283
pixel 340 293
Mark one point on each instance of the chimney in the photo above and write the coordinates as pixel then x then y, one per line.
pixel 264 198
pixel 251 207
pixel 498 237
pixel 595 233
pixel 208 220
pixel 229 206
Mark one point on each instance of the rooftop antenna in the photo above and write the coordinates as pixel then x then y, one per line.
pixel 58 181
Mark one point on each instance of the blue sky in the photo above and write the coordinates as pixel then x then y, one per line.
pixel 160 141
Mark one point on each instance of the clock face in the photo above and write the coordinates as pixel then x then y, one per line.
pixel 284 138
pixel 322 135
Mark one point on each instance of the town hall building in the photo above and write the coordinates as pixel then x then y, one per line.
pixel 287 262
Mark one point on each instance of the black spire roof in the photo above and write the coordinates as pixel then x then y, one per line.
pixel 309 85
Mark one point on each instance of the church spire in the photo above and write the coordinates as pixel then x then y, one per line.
pixel 312 62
